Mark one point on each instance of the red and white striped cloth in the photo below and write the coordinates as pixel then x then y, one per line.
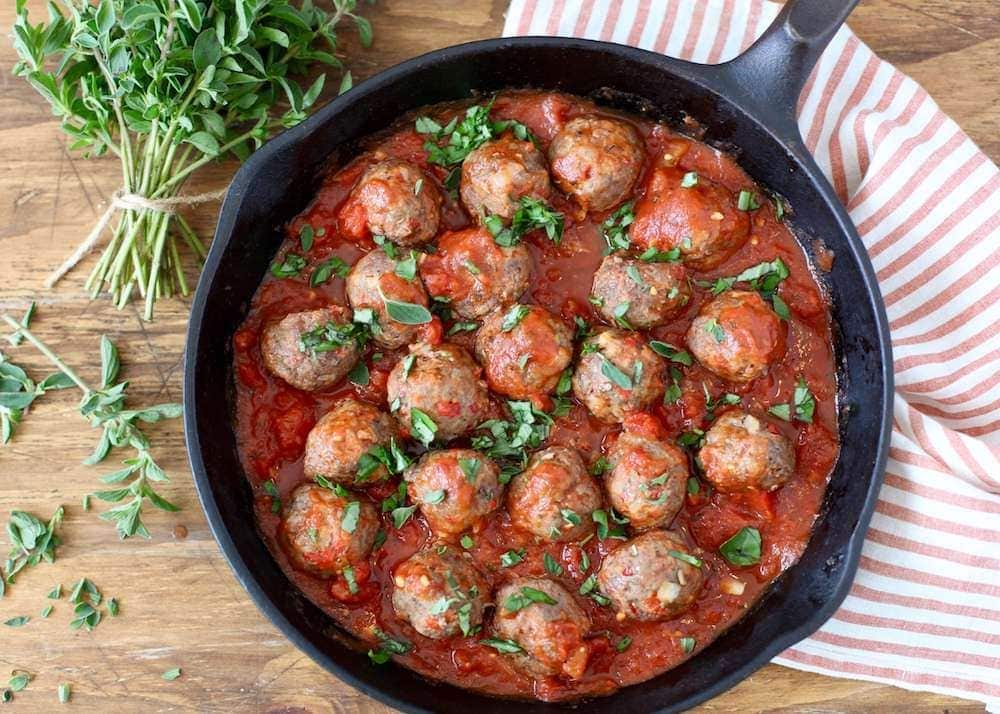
pixel 924 612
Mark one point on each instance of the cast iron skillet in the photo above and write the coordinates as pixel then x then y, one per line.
pixel 747 103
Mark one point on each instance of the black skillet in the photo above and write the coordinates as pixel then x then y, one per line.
pixel 747 103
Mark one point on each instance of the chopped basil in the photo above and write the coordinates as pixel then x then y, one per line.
pixel 387 647
pixel 504 646
pixel 327 269
pixel 693 486
pixel 582 328
pixel 407 313
pixel 289 267
pixel 604 529
pixel 512 557
pixel 401 515
pixel 531 214
pixel 359 374
pixel 462 327
pixel 407 269
pixel 470 467
pixel 687 644
pixel 589 589
pixel 19 621
pixel 652 255
pixel 691 438
pixel 422 427
pixel 743 548
pixel 712 327
pixel 434 497
pixel 471 267
pixel 685 557
pixel 600 466
pixel 407 363
pixel 551 566
pixel 524 598
pixel 803 402
pixel 633 273
pixel 570 516
pixel 747 201
pixel 595 300
pixel 380 538
pixel 689 179
pixel 623 644
pixel 610 370
pixel 621 309
pixel 352 512
pixel 350 579
pixel 614 229
pixel 419 184
pixel 329 337
pixel 665 349
pixel 306 235
pixel 65 692
pixel 387 246
pixel 171 674
pixel 467 542
pixel 513 317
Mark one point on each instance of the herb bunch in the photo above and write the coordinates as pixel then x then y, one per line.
pixel 120 428
pixel 167 86
pixel 31 542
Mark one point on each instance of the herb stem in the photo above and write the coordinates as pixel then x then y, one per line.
pixel 44 349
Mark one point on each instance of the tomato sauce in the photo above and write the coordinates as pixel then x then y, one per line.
pixel 272 420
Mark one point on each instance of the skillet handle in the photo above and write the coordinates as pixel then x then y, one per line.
pixel 772 72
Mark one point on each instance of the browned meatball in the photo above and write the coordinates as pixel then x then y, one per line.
pixel 554 497
pixel 372 279
pixel 524 349
pixel 311 350
pixel 455 489
pixel 617 374
pixel 648 479
pixel 398 202
pixel 325 533
pixel 737 335
pixel 499 173
pixel 743 452
pixel 702 220
pixel 597 160
pixel 654 576
pixel 439 592
pixel 443 382
pixel 639 295
pixel 340 439
pixel 474 274
pixel 546 622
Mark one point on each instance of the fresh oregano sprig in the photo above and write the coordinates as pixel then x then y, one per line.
pixel 31 541
pixel 167 86
pixel 105 408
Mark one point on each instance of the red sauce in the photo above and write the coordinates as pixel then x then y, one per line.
pixel 273 419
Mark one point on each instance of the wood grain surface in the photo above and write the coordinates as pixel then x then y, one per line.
pixel 180 604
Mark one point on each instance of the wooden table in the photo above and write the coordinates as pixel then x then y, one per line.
pixel 180 604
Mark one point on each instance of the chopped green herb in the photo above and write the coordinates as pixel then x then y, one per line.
pixel 31 541
pixel 359 374
pixel 407 268
pixel 691 438
pixel 615 228
pixel 350 579
pixel 471 267
pixel 19 621
pixel 327 269
pixel 713 328
pixel 551 566
pixel 747 201
pixel 422 427
pixel 531 214
pixel 513 317
pixel 65 692
pixel 687 644
pixel 387 647
pixel 503 646
pixel 524 598
pixel 743 548
pixel 652 255
pixel 289 267
pixel 512 557
pixel 352 513
pixel 434 497
pixel 623 644
pixel 470 467
pixel 693 486
pixel 19 680
pixel 689 179
pixel 306 235
pixel 407 313
pixel 665 349
pixel 330 337
pixel 621 309
pixel 685 557
pixel 604 528
pixel 600 466
pixel 633 274
pixel 610 370
pixel 171 674
pixel 467 542
pixel 462 327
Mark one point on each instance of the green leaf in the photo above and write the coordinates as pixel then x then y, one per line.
pixel 20 621
pixel 407 313
pixel 110 362
pixel 171 674
pixel 207 51
pixel 138 14
pixel 422 427
pixel 65 692
pixel 190 11
pixel 16 400
pixel 204 142
pixel 743 548
pixel 346 83
pixel 364 30
pixel 610 370
pixel 57 380
pixel 502 646
pixel 273 35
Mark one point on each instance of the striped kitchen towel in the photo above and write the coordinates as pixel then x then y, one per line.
pixel 924 612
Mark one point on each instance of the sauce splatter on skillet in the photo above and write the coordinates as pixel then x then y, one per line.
pixel 273 419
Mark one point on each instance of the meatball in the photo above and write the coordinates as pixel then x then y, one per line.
pixel 311 350
pixel 737 335
pixel 443 382
pixel 439 592
pixel 324 532
pixel 647 480
pixel 372 279
pixel 524 350
pixel 702 220
pixel 555 496
pixel 651 577
pixel 473 274
pixel 544 619
pixel 345 434
pixel 394 199
pixel 499 173
pixel 638 294
pixel 455 489
pixel 617 374
pixel 597 160
pixel 741 452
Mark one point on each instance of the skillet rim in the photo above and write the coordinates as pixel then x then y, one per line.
pixel 721 80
